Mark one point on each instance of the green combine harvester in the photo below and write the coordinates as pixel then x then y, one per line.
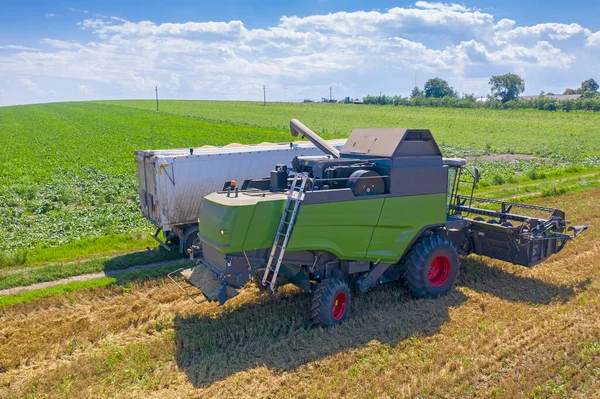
pixel 386 207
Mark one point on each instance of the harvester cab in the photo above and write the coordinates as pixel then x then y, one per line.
pixel 386 206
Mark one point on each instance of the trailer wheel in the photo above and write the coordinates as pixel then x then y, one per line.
pixel 331 302
pixel 432 267
pixel 192 241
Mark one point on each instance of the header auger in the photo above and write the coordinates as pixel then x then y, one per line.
pixel 387 206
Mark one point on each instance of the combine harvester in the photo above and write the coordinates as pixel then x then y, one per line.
pixel 386 206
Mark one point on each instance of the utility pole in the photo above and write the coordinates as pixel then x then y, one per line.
pixel 264 95
pixel 156 88
pixel 330 96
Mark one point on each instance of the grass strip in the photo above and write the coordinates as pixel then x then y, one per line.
pixel 79 249
pixel 63 289
pixel 60 271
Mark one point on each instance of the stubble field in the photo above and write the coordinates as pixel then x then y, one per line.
pixel 504 332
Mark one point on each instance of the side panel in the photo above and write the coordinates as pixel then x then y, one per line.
pixel 401 218
pixel 342 228
pixel 246 227
pixel 233 220
pixel 263 226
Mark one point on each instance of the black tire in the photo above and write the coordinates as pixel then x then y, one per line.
pixel 331 302
pixel 192 240
pixel 172 239
pixel 432 267
pixel 479 219
pixel 492 221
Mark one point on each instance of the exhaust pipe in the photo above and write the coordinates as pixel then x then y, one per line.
pixel 297 127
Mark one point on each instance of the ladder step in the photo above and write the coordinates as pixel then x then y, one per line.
pixel 286 224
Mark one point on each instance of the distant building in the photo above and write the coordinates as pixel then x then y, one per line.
pixel 481 99
pixel 557 97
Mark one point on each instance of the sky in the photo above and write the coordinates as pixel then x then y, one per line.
pixel 67 50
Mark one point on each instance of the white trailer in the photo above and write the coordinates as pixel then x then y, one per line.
pixel 172 183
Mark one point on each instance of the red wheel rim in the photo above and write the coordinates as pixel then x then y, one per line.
pixel 439 270
pixel 339 305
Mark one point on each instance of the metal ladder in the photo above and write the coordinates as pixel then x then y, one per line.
pixel 284 231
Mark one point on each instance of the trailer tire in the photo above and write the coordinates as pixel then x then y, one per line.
pixel 432 267
pixel 191 239
pixel 331 302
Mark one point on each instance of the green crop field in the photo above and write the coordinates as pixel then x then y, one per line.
pixel 68 171
pixel 558 135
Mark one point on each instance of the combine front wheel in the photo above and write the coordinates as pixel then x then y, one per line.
pixel 432 267
pixel 331 302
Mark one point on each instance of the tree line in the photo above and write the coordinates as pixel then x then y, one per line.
pixel 504 94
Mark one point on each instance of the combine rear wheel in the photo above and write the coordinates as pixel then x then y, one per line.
pixel 331 302
pixel 432 267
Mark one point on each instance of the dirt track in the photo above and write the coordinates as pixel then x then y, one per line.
pixel 85 277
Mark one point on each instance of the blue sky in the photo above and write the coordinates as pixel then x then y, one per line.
pixel 81 50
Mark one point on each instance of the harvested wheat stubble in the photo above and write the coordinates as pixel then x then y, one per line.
pixel 505 331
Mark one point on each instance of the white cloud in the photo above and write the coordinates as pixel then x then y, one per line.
pixel 77 10
pixel 451 17
pixel 83 89
pixel 441 6
pixel 594 39
pixel 16 47
pixel 50 15
pixel 554 31
pixel 61 44
pixel 359 52
pixel 35 88
pixel 505 24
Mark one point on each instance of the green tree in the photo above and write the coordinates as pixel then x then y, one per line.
pixel 438 88
pixel 507 87
pixel 589 85
pixel 470 97
pixel 571 91
pixel 416 92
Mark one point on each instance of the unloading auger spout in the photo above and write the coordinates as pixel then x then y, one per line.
pixel 297 127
